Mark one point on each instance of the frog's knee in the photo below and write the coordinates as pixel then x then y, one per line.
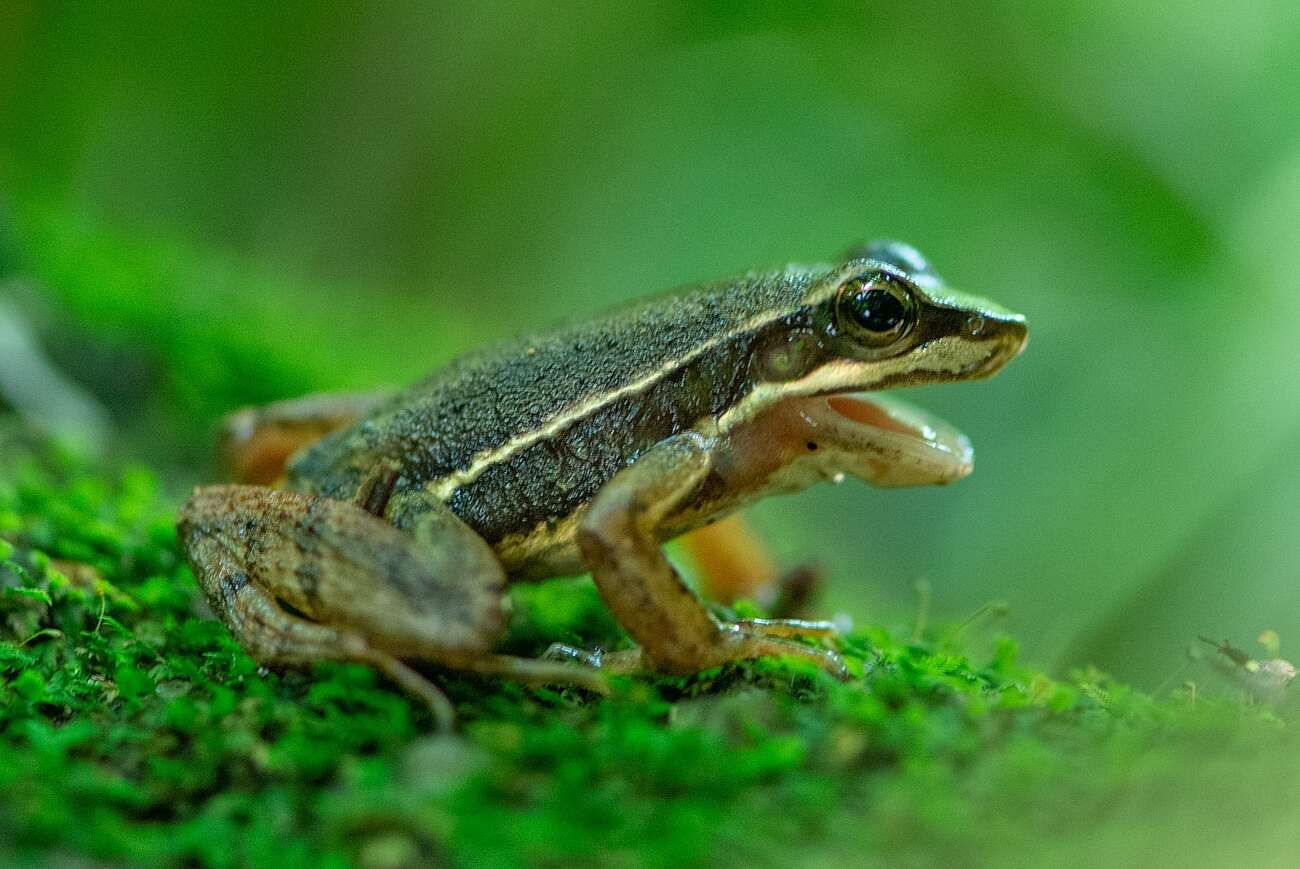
pixel 202 528
pixel 606 525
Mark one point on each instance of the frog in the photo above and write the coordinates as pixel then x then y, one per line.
pixel 385 528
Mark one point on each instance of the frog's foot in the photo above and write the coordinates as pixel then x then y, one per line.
pixel 619 541
pixel 755 638
pixel 620 663
pixel 300 579
pixel 742 646
pixel 787 628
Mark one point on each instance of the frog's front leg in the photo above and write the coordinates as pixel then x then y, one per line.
pixel 619 537
pixel 300 579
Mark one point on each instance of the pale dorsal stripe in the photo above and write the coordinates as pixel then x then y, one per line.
pixel 444 487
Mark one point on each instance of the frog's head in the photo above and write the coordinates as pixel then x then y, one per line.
pixel 879 320
pixel 884 319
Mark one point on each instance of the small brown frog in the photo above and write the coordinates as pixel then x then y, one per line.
pixel 585 447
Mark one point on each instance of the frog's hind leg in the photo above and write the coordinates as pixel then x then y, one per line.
pixel 274 636
pixel 301 578
pixel 256 442
pixel 619 540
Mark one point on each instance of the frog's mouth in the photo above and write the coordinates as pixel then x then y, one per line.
pixel 886 441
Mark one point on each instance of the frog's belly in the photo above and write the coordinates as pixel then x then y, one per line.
pixel 549 549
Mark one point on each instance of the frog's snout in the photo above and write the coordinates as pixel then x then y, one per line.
pixel 1007 334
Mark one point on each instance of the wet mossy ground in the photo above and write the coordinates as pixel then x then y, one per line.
pixel 133 729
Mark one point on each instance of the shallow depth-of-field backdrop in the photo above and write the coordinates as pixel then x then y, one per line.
pixel 354 193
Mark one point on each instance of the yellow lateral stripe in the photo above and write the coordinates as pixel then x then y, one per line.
pixel 444 487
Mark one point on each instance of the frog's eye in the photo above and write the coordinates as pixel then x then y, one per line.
pixel 876 308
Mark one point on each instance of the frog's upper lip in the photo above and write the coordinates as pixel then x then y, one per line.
pixel 1012 334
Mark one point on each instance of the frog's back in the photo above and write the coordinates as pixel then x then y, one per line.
pixel 525 431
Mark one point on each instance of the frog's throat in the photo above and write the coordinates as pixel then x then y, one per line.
pixel 922 448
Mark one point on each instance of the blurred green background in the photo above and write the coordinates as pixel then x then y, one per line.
pixel 203 205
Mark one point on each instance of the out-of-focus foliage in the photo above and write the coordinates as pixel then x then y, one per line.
pixel 133 729
pixel 436 174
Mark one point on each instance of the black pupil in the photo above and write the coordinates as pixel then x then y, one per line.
pixel 878 310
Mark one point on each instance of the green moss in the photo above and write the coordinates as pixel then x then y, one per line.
pixel 132 728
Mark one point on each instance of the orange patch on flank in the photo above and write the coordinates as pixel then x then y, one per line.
pixel 732 561
pixel 261 459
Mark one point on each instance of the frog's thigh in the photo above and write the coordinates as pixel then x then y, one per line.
pixel 274 636
pixel 352 579
pixel 619 541
pixel 315 565
pixel 256 442
pixel 300 579
pixel 425 594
